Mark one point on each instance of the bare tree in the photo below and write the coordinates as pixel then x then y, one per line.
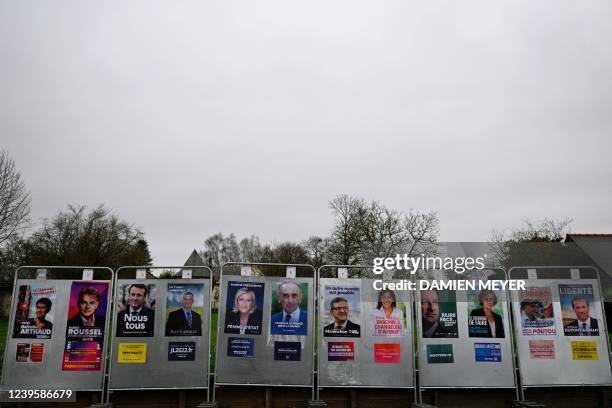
pixel 423 229
pixel 503 243
pixel 250 249
pixel 317 249
pixel 347 234
pixel 14 199
pixel 221 249
pixel 382 232
pixel 364 231
pixel 79 237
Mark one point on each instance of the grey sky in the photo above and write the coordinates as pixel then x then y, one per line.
pixel 248 117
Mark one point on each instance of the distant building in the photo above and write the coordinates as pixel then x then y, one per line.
pixel 196 260
pixel 598 247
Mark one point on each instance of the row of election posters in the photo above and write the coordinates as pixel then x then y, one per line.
pixel 439 312
pixel 466 338
pixel 244 308
pixel 137 311
pixel 537 314
pixel 349 315
pixel 578 317
pixel 561 335
pixel 85 323
pixel 87 315
pixel 288 315
pixel 136 303
pixel 184 309
pixel 364 334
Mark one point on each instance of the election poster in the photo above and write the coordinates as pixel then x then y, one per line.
pixel 181 351
pixel 289 308
pixel 485 314
pixel 542 349
pixel 184 309
pixel 488 352
pixel 440 354
pixel 584 350
pixel 30 352
pixel 23 353
pixel 340 351
pixel 343 303
pixel 439 314
pixel 387 353
pixel 389 317
pixel 132 353
pixel 537 315
pixel 85 326
pixel 240 346
pixel 136 310
pixel 34 314
pixel 243 307
pixel 577 310
pixel 287 350
pixel 37 350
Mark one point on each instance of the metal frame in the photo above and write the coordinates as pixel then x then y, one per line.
pixel 513 340
pixel 221 292
pixel 319 342
pixel 107 323
pixel 523 387
pixel 113 338
pixel 512 349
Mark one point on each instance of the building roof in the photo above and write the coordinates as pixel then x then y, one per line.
pixel 570 236
pixel 194 259
pixel 598 247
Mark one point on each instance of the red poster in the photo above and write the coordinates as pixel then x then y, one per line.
pixel 86 322
pixel 386 353
pixel 36 352
pixel 542 349
pixel 340 351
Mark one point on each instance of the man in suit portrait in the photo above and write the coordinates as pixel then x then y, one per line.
pixel 184 321
pixel 430 315
pixel 584 324
pixel 137 320
pixel 291 320
pixel 341 326
pixel 88 301
pixel 85 324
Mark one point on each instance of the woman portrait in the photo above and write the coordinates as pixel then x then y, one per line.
pixel 387 318
pixel 244 317
pixel 484 322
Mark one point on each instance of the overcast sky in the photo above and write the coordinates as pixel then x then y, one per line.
pixel 191 118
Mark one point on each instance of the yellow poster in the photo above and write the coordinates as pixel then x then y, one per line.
pixel 135 353
pixel 584 350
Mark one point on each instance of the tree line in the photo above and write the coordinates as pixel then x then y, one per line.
pixel 361 230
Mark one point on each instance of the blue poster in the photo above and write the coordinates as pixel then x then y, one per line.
pixel 289 308
pixel 489 352
pixel 287 350
pixel 240 347
pixel 181 351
